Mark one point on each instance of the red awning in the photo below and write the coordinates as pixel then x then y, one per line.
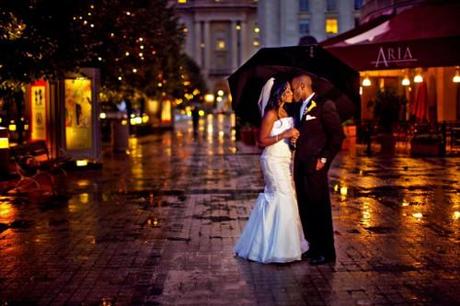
pixel 427 35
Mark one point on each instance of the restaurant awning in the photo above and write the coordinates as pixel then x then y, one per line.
pixel 427 35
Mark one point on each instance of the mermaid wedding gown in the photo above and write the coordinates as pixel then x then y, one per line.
pixel 274 232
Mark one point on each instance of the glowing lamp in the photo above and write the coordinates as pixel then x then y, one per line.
pixel 102 115
pixel 145 118
pixel 12 127
pixel 456 78
pixel 26 127
pixel 366 82
pixel 456 215
pixel 138 120
pixel 405 81
pixel 209 98
pixel 124 122
pixel 4 143
pixel 343 191
pixel 82 163
pixel 201 113
pixel 220 92
pixel 132 121
pixel 418 78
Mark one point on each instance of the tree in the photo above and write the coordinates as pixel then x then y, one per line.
pixel 137 44
pixel 36 40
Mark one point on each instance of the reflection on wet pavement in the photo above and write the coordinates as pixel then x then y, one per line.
pixel 157 226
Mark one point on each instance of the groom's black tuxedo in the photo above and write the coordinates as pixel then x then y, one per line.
pixel 321 136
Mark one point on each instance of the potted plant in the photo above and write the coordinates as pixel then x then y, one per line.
pixel 387 106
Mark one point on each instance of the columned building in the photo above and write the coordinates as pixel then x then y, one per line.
pixel 220 36
pixel 284 22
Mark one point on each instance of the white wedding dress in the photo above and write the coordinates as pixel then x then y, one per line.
pixel 273 232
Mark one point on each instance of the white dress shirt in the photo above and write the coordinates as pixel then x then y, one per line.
pixel 304 104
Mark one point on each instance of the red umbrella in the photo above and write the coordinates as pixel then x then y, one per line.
pixel 420 110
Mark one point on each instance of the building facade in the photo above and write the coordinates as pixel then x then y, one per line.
pixel 220 36
pixel 284 22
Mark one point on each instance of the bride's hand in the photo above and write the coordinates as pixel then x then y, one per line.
pixel 291 133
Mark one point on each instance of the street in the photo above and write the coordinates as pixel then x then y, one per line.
pixel 157 227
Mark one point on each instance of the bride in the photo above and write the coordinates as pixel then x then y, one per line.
pixel 273 232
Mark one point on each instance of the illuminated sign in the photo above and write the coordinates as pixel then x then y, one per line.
pixel 393 55
pixel 38 110
pixel 78 114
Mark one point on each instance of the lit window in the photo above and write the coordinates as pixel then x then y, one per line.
pixel 181 1
pixel 220 44
pixel 332 26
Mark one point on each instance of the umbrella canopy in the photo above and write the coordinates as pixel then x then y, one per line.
pixel 331 78
pixel 425 35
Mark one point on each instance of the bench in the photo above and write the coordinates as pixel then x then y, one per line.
pixel 32 161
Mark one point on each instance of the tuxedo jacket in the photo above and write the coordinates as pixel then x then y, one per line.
pixel 321 133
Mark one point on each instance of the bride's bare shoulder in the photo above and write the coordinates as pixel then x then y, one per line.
pixel 270 115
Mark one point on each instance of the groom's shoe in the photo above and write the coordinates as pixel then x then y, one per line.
pixel 308 255
pixel 321 260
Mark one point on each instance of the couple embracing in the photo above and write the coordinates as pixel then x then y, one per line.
pixel 291 220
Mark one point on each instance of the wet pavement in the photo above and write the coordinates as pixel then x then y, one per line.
pixel 157 227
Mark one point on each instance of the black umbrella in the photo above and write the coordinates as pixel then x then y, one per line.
pixel 332 79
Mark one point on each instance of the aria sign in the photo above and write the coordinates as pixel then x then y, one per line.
pixel 393 56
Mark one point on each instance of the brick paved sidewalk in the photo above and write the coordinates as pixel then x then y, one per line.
pixel 158 227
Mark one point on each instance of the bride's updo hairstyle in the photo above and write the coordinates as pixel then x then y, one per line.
pixel 279 86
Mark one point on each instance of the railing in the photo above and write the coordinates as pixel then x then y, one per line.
pixel 443 136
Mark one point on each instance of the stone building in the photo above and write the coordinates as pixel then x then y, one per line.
pixel 284 22
pixel 220 36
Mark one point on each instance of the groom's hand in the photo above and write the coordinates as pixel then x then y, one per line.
pixel 319 164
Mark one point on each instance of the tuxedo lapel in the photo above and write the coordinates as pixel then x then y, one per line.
pixel 309 108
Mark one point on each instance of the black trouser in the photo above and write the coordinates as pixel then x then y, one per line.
pixel 315 209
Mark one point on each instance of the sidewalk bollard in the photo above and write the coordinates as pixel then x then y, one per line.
pixel 4 152
pixel 120 135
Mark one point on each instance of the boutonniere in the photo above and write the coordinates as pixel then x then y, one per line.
pixel 311 106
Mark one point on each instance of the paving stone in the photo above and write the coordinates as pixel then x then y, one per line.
pixel 158 227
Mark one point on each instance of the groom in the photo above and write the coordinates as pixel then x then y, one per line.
pixel 321 136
